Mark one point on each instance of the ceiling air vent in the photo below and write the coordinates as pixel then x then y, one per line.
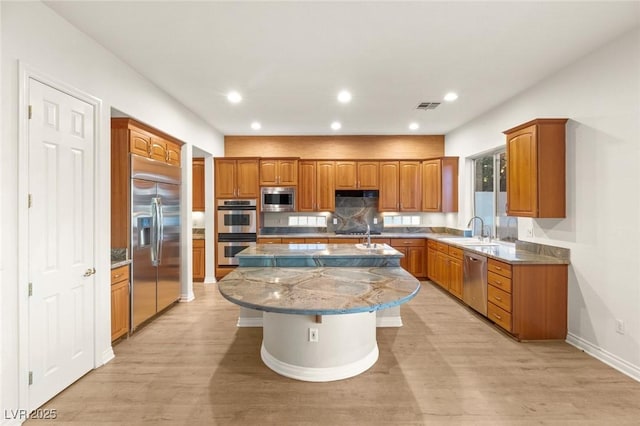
pixel 428 105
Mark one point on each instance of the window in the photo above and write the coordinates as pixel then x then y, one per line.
pixel 490 196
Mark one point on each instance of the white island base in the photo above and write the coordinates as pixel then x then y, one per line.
pixel 385 318
pixel 346 345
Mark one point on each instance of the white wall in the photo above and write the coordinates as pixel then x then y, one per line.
pixel 35 35
pixel 600 94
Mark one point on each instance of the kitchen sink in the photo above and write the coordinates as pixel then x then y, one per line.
pixel 372 247
pixel 467 241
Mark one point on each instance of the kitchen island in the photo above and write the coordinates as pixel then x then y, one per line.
pixel 319 322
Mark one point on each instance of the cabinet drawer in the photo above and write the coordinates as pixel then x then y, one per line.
pixel 316 240
pixel 120 274
pixel 381 241
pixel 455 252
pixel 407 242
pixel 499 281
pixel 443 248
pixel 499 298
pixel 269 240
pixel 432 244
pixel 499 316
pixel 501 268
pixel 289 240
pixel 198 243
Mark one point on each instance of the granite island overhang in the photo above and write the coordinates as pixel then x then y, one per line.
pixel 319 322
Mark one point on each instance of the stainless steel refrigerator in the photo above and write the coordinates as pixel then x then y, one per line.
pixel 155 237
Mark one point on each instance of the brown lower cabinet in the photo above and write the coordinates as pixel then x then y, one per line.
pixel 444 266
pixel 119 302
pixel 199 259
pixel 414 255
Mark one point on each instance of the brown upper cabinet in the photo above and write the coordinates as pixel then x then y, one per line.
pixel 317 185
pixel 279 171
pixel 236 177
pixel 400 186
pixel 536 169
pixel 357 174
pixel 197 172
pixel 440 185
pixel 129 136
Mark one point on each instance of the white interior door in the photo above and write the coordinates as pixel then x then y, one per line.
pixel 61 241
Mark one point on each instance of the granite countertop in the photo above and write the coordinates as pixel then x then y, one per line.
pixel 317 250
pixel 319 291
pixel 519 253
pixel 119 263
pixel 197 233
pixel 334 235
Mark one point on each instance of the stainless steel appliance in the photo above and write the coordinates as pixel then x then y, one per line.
pixel 237 226
pixel 278 199
pixel 474 287
pixel 155 237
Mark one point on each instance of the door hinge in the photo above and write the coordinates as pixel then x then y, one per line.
pixel 30 112
pixel 30 289
pixel 30 377
pixel 30 201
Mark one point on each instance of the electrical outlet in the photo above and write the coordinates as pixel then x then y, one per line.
pixel 620 326
pixel 335 221
pixel 313 334
pixel 375 220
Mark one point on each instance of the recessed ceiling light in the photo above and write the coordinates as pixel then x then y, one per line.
pixel 450 97
pixel 336 125
pixel 344 97
pixel 234 97
pixel 414 126
pixel 256 125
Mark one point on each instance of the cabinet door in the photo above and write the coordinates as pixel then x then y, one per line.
pixel 197 172
pixel 346 175
pixel 455 277
pixel 268 172
pixel 198 260
pixel 225 178
pixel 306 193
pixel 368 174
pixel 442 270
pixel 326 186
pixel 431 186
pixel 139 143
pixel 522 176
pixel 410 186
pixel 431 264
pixel 247 179
pixel 416 261
pixel 119 309
pixel 288 172
pixel 404 260
pixel 158 149
pixel 173 154
pixel 389 186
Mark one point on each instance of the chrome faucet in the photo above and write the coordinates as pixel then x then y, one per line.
pixel 474 228
pixel 368 236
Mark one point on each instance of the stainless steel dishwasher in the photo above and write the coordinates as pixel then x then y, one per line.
pixel 474 287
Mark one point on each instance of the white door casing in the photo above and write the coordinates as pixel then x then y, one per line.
pixel 61 240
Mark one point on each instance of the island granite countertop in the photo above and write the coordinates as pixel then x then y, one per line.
pixel 319 291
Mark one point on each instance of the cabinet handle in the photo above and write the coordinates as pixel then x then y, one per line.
pixel 166 157
pixel 498 268
pixel 498 282
pixel 497 316
pixel 498 298
pixel 117 275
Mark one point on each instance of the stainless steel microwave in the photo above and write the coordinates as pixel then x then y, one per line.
pixel 278 198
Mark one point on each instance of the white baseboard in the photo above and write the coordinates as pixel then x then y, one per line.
pixel 210 280
pixel 108 355
pixel 389 321
pixel 249 322
pixel 608 358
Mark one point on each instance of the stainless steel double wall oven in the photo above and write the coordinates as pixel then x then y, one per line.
pixel 237 227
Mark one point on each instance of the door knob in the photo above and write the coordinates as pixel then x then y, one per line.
pixel 89 272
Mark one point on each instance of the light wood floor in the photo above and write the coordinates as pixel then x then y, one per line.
pixel 446 365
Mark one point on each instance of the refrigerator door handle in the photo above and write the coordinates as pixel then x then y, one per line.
pixel 160 229
pixel 154 231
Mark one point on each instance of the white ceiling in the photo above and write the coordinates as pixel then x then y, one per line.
pixel 290 59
